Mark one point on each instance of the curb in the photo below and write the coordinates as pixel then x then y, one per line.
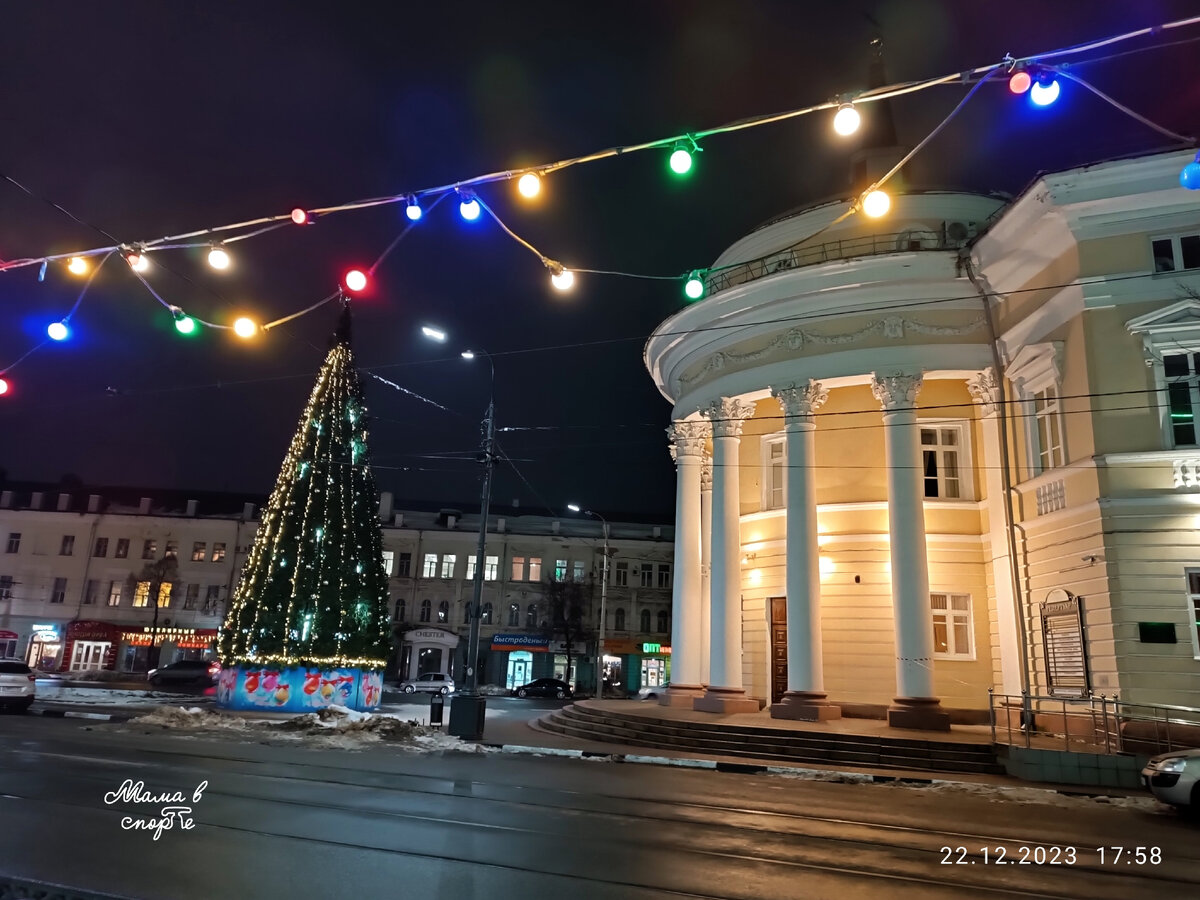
pixel 68 714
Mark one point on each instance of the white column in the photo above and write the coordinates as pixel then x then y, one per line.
pixel 687 447
pixel 986 391
pixel 725 693
pixel 705 568
pixel 915 706
pixel 805 697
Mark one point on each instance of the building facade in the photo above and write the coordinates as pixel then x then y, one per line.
pixel 949 451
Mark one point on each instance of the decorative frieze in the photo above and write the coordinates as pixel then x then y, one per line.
pixel 985 390
pixel 897 391
pixel 706 474
pixel 799 402
pixel 727 416
pixel 1187 472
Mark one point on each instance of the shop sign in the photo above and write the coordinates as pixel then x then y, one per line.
pixel 431 635
pixel 520 642
pixel 7 635
pixel 45 633
pixel 577 647
pixel 619 645
pixel 92 631
pixel 658 649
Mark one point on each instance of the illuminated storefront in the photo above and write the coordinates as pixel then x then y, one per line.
pixel 45 646
pixel 172 644
pixel 90 646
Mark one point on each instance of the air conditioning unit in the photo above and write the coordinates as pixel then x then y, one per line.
pixel 958 233
pixel 918 239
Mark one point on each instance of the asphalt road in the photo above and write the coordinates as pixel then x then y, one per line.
pixel 281 820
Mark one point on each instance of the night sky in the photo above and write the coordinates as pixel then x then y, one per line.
pixel 147 118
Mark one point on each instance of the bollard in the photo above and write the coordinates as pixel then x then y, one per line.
pixel 436 703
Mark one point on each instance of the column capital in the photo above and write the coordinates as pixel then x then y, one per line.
pixel 688 438
pixel 706 474
pixel 727 415
pixel 800 401
pixel 897 391
pixel 985 390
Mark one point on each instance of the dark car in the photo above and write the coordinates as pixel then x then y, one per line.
pixel 186 673
pixel 544 687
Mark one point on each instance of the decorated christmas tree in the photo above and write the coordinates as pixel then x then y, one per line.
pixel 313 593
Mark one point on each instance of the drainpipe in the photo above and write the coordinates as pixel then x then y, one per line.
pixel 1005 473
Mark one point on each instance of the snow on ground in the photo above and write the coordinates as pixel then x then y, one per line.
pixel 105 697
pixel 332 728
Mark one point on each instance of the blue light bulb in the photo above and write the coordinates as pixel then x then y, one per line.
pixel 413 210
pixel 1044 91
pixel 1190 176
pixel 469 209
pixel 58 331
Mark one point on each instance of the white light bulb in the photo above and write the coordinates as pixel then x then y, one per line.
pixel 846 120
pixel 563 279
pixel 876 203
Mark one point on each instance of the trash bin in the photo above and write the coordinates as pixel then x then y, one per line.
pixel 436 703
pixel 467 714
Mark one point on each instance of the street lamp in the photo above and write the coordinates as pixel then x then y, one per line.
pixel 468 708
pixel 603 600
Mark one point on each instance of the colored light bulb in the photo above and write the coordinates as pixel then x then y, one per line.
pixel 355 280
pixel 244 327
pixel 529 185
pixel 413 209
pixel 680 160
pixel 1019 81
pixel 58 331
pixel 137 261
pixel 300 217
pixel 1190 176
pixel 3 386
pixel 1044 91
pixel 876 203
pixel 693 289
pixel 184 324
pixel 77 265
pixel 468 208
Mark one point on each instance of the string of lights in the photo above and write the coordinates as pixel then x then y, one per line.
pixel 1035 74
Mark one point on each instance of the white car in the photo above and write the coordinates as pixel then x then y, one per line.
pixel 430 683
pixel 16 685
pixel 1175 778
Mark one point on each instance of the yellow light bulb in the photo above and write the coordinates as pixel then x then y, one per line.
pixel 529 185
pixel 218 258
pixel 77 266
pixel 876 204
pixel 563 280
pixel 244 327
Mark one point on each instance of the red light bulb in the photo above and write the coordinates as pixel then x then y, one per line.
pixel 300 217
pixel 1019 82
pixel 355 280
pixel 3 386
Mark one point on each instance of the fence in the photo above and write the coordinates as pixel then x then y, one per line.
pixel 1093 724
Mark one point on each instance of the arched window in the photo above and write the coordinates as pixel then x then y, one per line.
pixel 444 611
pixel 645 620
pixel 467 613
pixel 514 615
pixel 426 606
pixel 662 621
pixel 400 610
pixel 620 620
pixel 531 616
pixel 486 617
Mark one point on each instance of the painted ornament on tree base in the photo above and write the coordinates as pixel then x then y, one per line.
pixel 298 689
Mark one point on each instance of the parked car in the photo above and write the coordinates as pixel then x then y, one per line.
pixel 186 673
pixel 652 692
pixel 1175 778
pixel 430 683
pixel 16 685
pixel 544 687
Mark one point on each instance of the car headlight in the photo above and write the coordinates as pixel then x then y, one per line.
pixel 1172 765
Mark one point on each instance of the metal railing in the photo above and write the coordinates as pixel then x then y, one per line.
pixel 799 255
pixel 1096 724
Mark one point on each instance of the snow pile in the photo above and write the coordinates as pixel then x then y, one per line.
pixel 102 696
pixel 191 717
pixel 1041 796
pixel 494 690
pixel 341 721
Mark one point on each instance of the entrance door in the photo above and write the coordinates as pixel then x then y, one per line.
pixel 778 648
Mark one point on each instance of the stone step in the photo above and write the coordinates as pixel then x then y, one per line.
pixel 819 748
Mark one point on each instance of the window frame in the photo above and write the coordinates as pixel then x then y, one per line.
pixel 1193 608
pixel 621 573
pixel 644 621
pixel 662 573
pixel 67 547
pixel 404 565
pixel 199 551
pixel 149 548
pixel 966 481
pixel 1176 240
pixel 951 615
pixel 218 551
pixel 100 548
pixel 115 590
pixel 449 562
pixel 426 611
pixel 389 562
pixel 121 551
pixel 769 464
pixel 429 565
pixel 1034 370
pixel 58 591
pixel 14 542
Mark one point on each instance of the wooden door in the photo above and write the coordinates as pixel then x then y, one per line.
pixel 778 648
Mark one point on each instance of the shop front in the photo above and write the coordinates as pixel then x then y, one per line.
pixel 91 646
pixel 526 654
pixel 655 668
pixel 632 665
pixel 146 648
pixel 45 646
pixel 426 650
pixel 8 643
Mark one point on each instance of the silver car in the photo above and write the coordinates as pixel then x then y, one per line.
pixel 16 685
pixel 1174 778
pixel 430 683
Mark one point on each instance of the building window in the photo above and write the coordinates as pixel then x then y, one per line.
pixel 212 600
pixel 199 551
pixel 952 626
pixel 514 615
pixel 646 621
pixel 535 568
pixel 67 548
pixel 491 568
pixel 1193 584
pixel 91 591
pixel 1036 376
pixel 6 586
pixel 1182 372
pixel 164 595
pixel 619 619
pixel 943 460
pixel 426 609
pixel 1047 414
pixel 647 575
pixel 579 570
pixel 531 616
pixel 518 568
pixel 122 548
pixel 114 593
pixel 101 548
pixel 149 548
pixel 664 575
pixel 404 565
pixel 621 574
pixel 560 570
pixel 774 463
pixel 444 611
pixel 14 542
pixel 663 621
pixel 400 609
pixel 172 551
pixel 218 553
pixel 485 617
pixel 1176 253
pixel 448 561
pixel 429 566
pixel 466 613
pixel 470 569
pixel 191 597
pixel 59 592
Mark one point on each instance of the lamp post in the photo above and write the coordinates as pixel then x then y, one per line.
pixel 603 601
